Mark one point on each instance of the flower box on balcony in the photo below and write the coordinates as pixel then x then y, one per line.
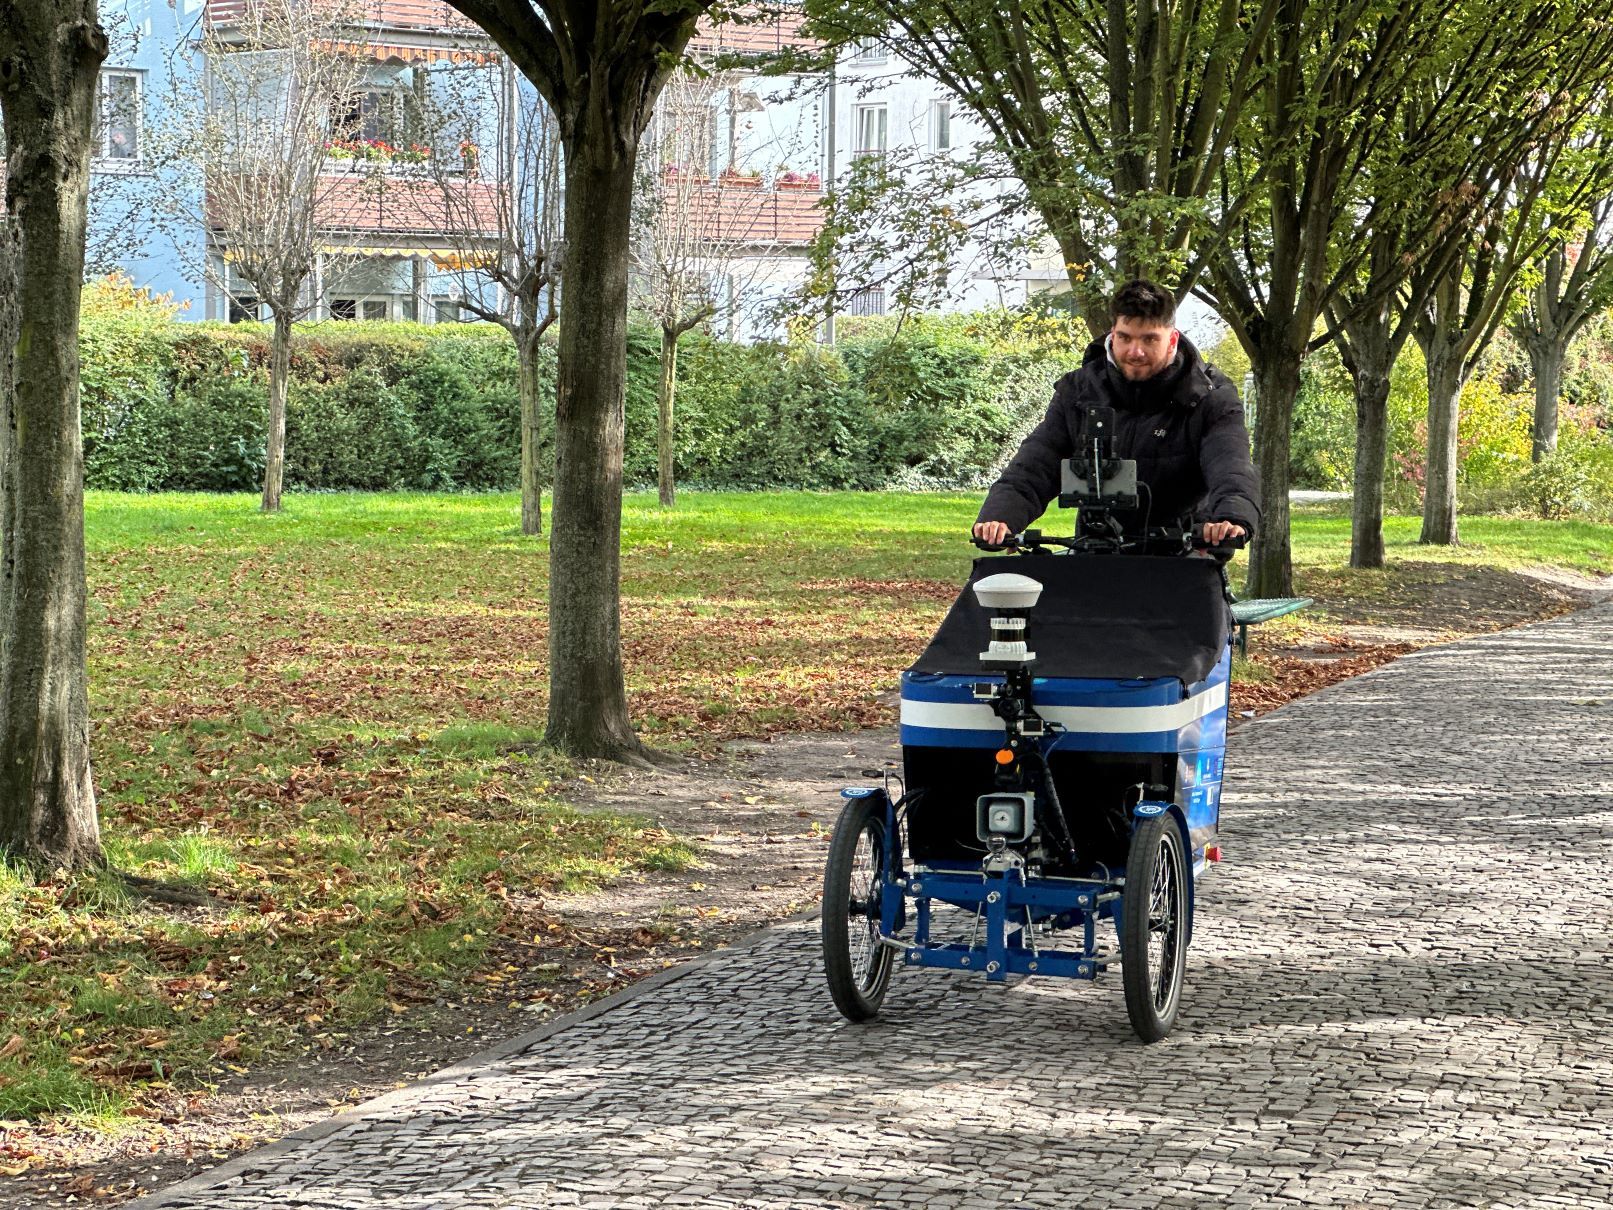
pixel 741 180
pixel 798 180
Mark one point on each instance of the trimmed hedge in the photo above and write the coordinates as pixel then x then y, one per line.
pixel 170 405
pixel 371 407
pixel 937 401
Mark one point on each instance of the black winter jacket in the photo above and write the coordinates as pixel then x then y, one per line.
pixel 1184 427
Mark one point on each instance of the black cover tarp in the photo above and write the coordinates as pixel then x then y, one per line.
pixel 1108 616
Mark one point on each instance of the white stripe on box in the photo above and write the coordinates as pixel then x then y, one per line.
pixel 1089 720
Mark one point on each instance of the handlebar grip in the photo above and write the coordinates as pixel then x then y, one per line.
pixel 1226 547
pixel 1008 545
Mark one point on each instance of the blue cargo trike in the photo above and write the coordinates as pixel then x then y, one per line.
pixel 1062 743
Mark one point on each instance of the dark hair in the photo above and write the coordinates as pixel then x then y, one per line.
pixel 1143 300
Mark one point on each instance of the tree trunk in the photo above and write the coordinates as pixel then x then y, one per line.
pixel 1271 571
pixel 49 56
pixel 587 696
pixel 1546 357
pixel 531 437
pixel 664 453
pixel 274 464
pixel 1444 406
pixel 1368 356
pixel 1371 463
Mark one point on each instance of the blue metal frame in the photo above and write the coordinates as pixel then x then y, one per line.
pixel 1007 906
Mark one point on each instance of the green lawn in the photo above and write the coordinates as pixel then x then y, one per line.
pixel 1321 540
pixel 330 720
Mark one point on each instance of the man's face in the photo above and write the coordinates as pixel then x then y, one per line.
pixel 1142 347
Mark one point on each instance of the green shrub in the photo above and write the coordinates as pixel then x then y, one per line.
pixel 1322 453
pixel 934 404
pixel 1492 434
pixel 171 405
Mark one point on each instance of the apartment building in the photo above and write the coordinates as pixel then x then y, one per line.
pixel 410 179
pixel 395 229
pixel 790 134
pixel 396 243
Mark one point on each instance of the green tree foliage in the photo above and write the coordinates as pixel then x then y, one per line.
pixel 1112 118
pixel 1495 473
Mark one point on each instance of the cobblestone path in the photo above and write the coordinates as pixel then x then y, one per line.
pixel 1399 995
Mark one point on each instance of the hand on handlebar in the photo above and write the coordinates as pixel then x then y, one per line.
pixel 1223 533
pixel 992 533
pixel 1209 540
pixel 1218 539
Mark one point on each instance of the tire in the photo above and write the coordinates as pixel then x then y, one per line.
pixel 1153 926
pixel 857 964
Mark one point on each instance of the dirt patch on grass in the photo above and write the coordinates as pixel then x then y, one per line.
pixel 760 812
pixel 1433 602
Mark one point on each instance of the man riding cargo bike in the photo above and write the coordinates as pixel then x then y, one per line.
pixel 1063 732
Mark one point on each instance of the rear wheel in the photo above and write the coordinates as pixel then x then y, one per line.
pixel 1153 927
pixel 857 964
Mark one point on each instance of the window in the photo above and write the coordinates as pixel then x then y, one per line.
pixel 872 127
pixel 445 310
pixel 241 301
pixel 941 125
pixel 372 287
pixel 867 302
pixel 869 50
pixel 383 114
pixel 408 310
pixel 115 125
pixel 387 114
pixel 686 140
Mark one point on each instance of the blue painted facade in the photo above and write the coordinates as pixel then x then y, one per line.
pixel 150 59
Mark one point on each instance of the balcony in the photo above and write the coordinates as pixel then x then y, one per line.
pixel 409 207
pixel 752 215
pixel 769 35
pixel 424 16
pixel 399 207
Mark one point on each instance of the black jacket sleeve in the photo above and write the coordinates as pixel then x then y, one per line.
pixel 1033 476
pixel 1232 485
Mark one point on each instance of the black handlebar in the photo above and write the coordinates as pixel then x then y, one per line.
pixel 1169 538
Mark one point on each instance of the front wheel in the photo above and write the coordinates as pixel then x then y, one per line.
pixel 1153 927
pixel 857 964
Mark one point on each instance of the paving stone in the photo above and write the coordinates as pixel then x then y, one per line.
pixel 1397 996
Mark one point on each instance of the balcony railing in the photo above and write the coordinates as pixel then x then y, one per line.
pixel 396 206
pixel 748 213
pixel 388 14
pixel 410 206
pixel 750 36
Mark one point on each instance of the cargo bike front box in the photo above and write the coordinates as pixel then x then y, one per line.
pixel 1062 746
